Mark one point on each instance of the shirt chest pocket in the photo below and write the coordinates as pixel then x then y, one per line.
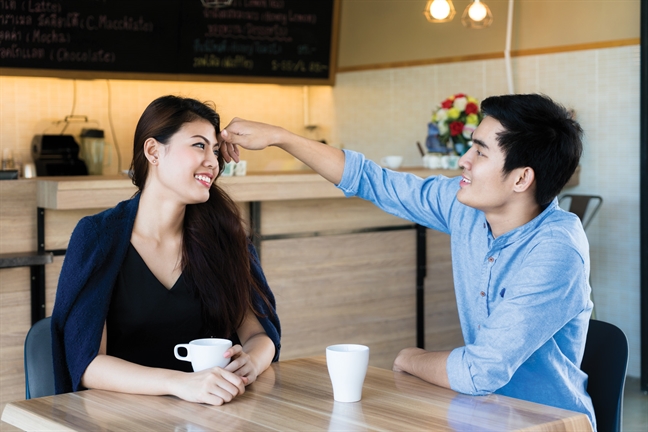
pixel 499 290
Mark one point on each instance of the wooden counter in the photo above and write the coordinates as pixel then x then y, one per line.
pixel 85 192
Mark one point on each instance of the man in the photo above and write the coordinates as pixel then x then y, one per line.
pixel 520 263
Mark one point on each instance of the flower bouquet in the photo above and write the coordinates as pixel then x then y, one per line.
pixel 456 119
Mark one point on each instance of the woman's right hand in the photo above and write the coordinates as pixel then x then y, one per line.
pixel 214 386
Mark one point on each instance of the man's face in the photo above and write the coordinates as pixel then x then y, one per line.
pixel 483 185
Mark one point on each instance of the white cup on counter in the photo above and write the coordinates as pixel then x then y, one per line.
pixel 450 162
pixel 391 162
pixel 240 169
pixel 228 169
pixel 235 169
pixel 432 161
pixel 29 170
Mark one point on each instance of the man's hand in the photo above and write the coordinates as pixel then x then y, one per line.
pixel 249 135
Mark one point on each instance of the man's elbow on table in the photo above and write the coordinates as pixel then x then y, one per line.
pixel 466 376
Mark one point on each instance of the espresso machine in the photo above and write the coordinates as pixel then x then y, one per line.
pixel 57 155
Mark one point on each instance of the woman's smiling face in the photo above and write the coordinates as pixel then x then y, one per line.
pixel 188 164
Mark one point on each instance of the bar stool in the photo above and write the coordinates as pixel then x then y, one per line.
pixel 583 206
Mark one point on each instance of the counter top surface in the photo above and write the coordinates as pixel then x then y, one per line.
pixel 65 193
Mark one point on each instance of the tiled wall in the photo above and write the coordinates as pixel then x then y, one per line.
pixel 30 106
pixel 385 112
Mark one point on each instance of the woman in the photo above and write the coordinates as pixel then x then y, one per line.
pixel 170 265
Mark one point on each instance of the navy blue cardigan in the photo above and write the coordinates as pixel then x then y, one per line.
pixel 93 259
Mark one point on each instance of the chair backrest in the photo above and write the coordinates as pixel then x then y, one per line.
pixel 605 361
pixel 39 367
pixel 583 206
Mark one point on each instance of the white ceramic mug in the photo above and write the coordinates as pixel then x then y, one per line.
pixel 453 162
pixel 347 367
pixel 241 168
pixel 205 353
pixel 432 161
pixel 228 169
pixel 391 162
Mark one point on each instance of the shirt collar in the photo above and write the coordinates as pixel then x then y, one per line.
pixel 526 229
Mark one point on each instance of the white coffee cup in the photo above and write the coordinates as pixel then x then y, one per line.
pixel 241 168
pixel 432 161
pixel 347 366
pixel 205 353
pixel 453 162
pixel 228 169
pixel 391 162
pixel 445 161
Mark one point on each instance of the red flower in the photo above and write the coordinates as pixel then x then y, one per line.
pixel 447 104
pixel 456 127
pixel 471 108
pixel 458 95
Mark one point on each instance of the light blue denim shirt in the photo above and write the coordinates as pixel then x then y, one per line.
pixel 523 298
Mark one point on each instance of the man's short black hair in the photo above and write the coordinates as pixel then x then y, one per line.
pixel 540 134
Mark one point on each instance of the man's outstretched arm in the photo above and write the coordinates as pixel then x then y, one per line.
pixel 326 160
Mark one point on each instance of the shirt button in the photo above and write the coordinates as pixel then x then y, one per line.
pixel 491 259
pixel 479 327
pixel 483 294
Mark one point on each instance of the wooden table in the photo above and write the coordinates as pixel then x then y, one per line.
pixel 296 395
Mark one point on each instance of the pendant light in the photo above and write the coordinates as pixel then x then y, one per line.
pixel 477 15
pixel 438 11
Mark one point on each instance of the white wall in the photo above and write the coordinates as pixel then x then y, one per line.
pixel 383 112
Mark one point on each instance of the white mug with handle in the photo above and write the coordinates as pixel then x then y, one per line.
pixel 205 353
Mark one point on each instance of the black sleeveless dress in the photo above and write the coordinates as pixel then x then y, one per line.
pixel 146 320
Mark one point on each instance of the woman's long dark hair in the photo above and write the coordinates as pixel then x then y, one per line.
pixel 215 256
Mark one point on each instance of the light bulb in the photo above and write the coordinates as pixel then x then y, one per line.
pixel 440 9
pixel 477 11
pixel 477 15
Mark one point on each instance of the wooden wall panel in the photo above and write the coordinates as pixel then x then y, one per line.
pixel 15 321
pixel 17 216
pixel 344 289
pixel 283 217
pixel 442 328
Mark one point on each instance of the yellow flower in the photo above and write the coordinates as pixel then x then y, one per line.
pixel 451 98
pixel 453 113
pixel 472 99
pixel 472 119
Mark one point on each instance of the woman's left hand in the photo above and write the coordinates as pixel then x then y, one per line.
pixel 241 364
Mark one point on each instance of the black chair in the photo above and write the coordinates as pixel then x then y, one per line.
pixel 605 361
pixel 39 368
pixel 583 206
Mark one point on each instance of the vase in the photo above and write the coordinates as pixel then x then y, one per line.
pixel 460 148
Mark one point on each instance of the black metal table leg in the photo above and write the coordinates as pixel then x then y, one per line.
pixel 421 270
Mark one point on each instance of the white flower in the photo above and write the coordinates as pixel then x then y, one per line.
pixel 468 130
pixel 460 103
pixel 443 128
pixel 442 115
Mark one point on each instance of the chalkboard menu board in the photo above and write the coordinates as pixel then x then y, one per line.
pixel 247 40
